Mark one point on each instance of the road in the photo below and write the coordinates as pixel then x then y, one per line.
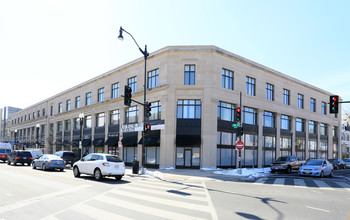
pixel 36 194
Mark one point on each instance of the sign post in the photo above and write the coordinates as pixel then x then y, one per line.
pixel 239 147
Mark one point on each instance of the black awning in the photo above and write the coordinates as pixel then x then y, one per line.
pixel 129 141
pixel 75 143
pixel 86 142
pixel 98 141
pixel 151 141
pixel 112 141
pixel 188 139
pixel 66 142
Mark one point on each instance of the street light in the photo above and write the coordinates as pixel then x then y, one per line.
pixel 145 55
pixel 15 138
pixel 37 135
pixel 81 120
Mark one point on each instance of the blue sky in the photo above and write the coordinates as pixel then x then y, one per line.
pixel 48 46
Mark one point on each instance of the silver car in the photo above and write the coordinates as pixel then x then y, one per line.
pixel 49 162
pixel 316 167
pixel 347 162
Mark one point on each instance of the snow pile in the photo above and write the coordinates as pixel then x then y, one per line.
pixel 245 172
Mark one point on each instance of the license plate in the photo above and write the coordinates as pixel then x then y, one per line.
pixel 117 166
pixel 24 158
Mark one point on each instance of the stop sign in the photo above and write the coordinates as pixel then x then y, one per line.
pixel 239 145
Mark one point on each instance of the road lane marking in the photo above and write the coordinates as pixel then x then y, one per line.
pixel 279 181
pixel 299 182
pixel 214 215
pixel 93 212
pixel 344 185
pixel 323 185
pixel 323 210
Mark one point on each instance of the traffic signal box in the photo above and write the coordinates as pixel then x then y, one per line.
pixel 147 128
pixel 127 95
pixel 148 110
pixel 238 115
pixel 334 104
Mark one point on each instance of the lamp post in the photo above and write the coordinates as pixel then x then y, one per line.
pixel 81 120
pixel 15 138
pixel 37 135
pixel 145 55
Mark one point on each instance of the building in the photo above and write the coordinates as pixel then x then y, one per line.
pixel 345 142
pixel 194 92
pixel 6 113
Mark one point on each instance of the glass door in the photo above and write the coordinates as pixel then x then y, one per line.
pixel 188 158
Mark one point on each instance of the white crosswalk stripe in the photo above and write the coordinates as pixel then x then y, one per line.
pixel 323 185
pixel 279 181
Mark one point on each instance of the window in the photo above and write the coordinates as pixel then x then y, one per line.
pixel 312 127
pixel 324 108
pixel 59 126
pixel 38 115
pixel 227 79
pixel 131 114
pixel 29 116
pixel 299 125
pixel 249 116
pixel 132 84
pixel 67 125
pixel 101 95
pixel 226 111
pixel 189 109
pixel 77 124
pixel 323 129
pixel 68 105
pixel 190 74
pixel 270 92
pixel 312 105
pixel 285 122
pixel 115 117
pixel 100 120
pixel 286 94
pixel 44 112
pixel 300 101
pixel 77 102
pixel 250 86
pixel 115 90
pixel 51 112
pixel 153 78
pixel 88 121
pixel 60 108
pixel 33 116
pixel 156 109
pixel 269 119
pixel 88 98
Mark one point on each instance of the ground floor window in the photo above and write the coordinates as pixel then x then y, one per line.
pixel 249 156
pixel 129 154
pixel 312 149
pixel 113 150
pixel 98 149
pixel 300 148
pixel 286 146
pixel 188 157
pixel 226 157
pixel 323 150
pixel 335 150
pixel 152 156
pixel 269 150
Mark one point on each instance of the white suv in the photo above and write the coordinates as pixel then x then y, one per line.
pixel 100 165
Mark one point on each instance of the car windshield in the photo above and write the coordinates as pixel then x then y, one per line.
pixel 8 151
pixel 347 160
pixel 314 162
pixel 68 154
pixel 54 157
pixel 24 154
pixel 114 159
pixel 280 159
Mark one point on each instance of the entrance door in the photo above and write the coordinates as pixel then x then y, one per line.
pixel 188 158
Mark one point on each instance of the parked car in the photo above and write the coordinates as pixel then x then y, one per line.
pixel 67 156
pixel 20 156
pixel 337 163
pixel 347 162
pixel 49 162
pixel 316 167
pixel 5 150
pixel 100 165
pixel 286 164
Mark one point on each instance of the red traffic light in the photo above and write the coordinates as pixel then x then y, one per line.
pixel 238 109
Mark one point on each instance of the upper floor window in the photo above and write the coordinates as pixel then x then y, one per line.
pixel 29 116
pixel 77 102
pixel 44 112
pixel 77 124
pixel 312 105
pixel 323 129
pixel 51 111
pixel 100 120
pixel 33 116
pixel 131 114
pixel 67 125
pixel 249 116
pixel 115 117
pixel 226 111
pixel 189 109
pixel 227 79
pixel 132 84
pixel 60 108
pixel 88 121
pixel 312 127
pixel 285 122
pixel 299 125
pixel 250 86
pixel 300 101
pixel 115 90
pixel 153 78
pixel 270 92
pixel 324 108
pixel 88 98
pixel 68 105
pixel 190 74
pixel 38 115
pixel 286 95
pixel 269 119
pixel 101 95
pixel 25 118
pixel 156 110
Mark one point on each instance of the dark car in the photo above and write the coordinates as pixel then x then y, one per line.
pixel 68 156
pixel 337 163
pixel 22 157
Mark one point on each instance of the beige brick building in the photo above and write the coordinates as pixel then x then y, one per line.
pixel 194 91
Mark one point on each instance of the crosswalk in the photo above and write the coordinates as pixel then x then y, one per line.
pixel 305 183
pixel 145 199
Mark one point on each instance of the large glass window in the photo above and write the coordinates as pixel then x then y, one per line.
pixel 323 150
pixel 190 74
pixel 60 108
pixel 152 155
pixel 115 117
pixel 312 149
pixel 300 101
pixel 269 150
pixel 299 125
pixel 249 116
pixel 156 110
pixel 226 111
pixel 189 109
pixel 101 95
pixel 285 122
pixel 286 146
pixel 323 129
pixel 132 83
pixel 67 125
pixel 77 102
pixel 153 78
pixel 269 119
pixel 88 121
pixel 300 148
pixel 68 105
pixel 312 127
pixel 115 90
pixel 250 86
pixel 312 105
pixel 76 124
pixel 227 79
pixel 100 120
pixel 324 108
pixel 250 153
pixel 88 98
pixel 131 114
pixel 270 92
pixel 286 96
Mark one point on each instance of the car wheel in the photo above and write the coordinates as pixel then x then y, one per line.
pixel 14 163
pixel 33 165
pixel 331 174
pixel 76 171
pixel 98 174
pixel 28 164
pixel 44 167
pixel 118 177
pixel 8 163
pixel 322 174
pixel 61 170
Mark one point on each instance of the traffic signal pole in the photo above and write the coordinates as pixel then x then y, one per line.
pixel 240 129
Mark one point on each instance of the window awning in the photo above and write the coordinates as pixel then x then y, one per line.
pixel 151 141
pixel 188 139
pixel 98 141
pixel 86 142
pixel 112 141
pixel 129 141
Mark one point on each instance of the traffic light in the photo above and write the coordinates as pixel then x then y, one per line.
pixel 334 104
pixel 148 110
pixel 238 115
pixel 147 128
pixel 127 95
